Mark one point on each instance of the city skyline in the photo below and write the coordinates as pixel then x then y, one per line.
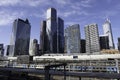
pixel 82 12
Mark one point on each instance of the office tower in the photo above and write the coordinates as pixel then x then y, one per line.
pixel 119 43
pixel 83 47
pixel 104 42
pixel 51 30
pixel 60 35
pixel 92 38
pixel 108 31
pixel 6 52
pixel 1 49
pixel 72 39
pixel 43 38
pixel 20 38
pixel 34 47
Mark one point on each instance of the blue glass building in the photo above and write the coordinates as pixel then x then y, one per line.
pixel 20 38
pixel 72 39
pixel 51 30
pixel 60 36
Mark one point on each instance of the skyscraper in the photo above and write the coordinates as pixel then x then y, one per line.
pixel 6 52
pixel 60 35
pixel 83 46
pixel 72 39
pixel 104 42
pixel 54 32
pixel 108 31
pixel 51 30
pixel 20 38
pixel 92 38
pixel 43 38
pixel 119 43
pixel 34 47
pixel 1 49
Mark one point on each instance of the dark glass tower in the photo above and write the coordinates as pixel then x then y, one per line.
pixel 1 49
pixel 119 43
pixel 20 38
pixel 43 38
pixel 52 33
pixel 104 42
pixel 60 36
pixel 51 30
pixel 83 47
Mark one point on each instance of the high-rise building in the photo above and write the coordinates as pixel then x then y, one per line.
pixel 83 47
pixel 104 42
pixel 72 39
pixel 51 30
pixel 60 35
pixel 119 43
pixel 43 38
pixel 108 31
pixel 6 52
pixel 20 38
pixel 92 38
pixel 1 49
pixel 54 32
pixel 34 47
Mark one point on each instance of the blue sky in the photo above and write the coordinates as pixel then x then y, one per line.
pixel 82 12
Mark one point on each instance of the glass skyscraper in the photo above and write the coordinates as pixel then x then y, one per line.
pixel 92 38
pixel 104 42
pixel 72 39
pixel 60 35
pixel 1 49
pixel 43 38
pixel 20 38
pixel 51 30
pixel 118 43
pixel 108 31
pixel 54 32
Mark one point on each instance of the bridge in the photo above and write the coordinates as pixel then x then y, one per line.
pixel 96 66
pixel 68 73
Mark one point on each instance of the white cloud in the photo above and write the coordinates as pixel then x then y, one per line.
pixel 7 17
pixel 38 15
pixel 86 3
pixel 62 2
pixel 8 2
pixel 32 3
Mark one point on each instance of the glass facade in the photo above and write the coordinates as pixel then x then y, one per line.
pixel 52 33
pixel 20 38
pixel 72 39
pixel 1 49
pixel 83 47
pixel 43 38
pixel 108 31
pixel 60 36
pixel 104 42
pixel 51 30
pixel 119 43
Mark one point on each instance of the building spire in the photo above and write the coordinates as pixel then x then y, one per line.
pixel 107 20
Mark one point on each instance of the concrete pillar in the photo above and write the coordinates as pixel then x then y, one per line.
pixel 47 75
pixel 80 78
pixel 64 72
